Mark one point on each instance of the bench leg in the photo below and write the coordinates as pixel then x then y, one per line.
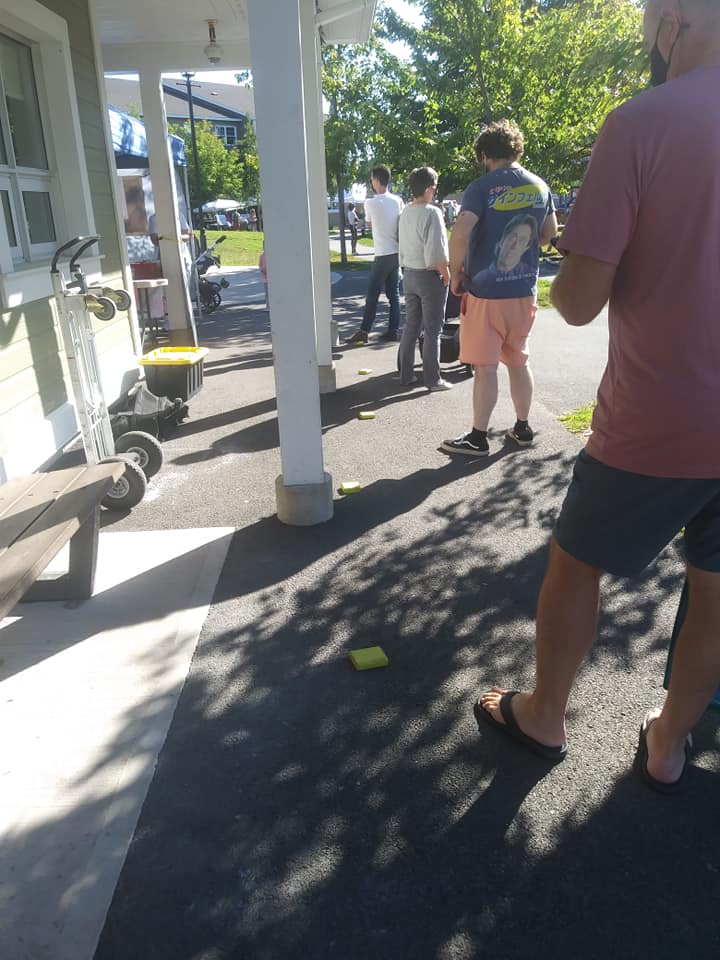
pixel 77 583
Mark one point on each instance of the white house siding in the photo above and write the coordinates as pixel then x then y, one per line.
pixel 36 405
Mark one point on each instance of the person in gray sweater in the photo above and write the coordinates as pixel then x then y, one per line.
pixel 425 263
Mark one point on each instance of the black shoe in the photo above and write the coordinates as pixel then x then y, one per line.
pixel 391 335
pixel 522 435
pixel 359 338
pixel 466 446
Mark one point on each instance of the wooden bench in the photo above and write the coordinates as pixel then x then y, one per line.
pixel 39 514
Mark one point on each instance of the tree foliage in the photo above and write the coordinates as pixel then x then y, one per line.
pixel 378 111
pixel 221 171
pixel 556 68
pixel 249 163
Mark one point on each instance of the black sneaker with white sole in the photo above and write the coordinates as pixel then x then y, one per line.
pixel 467 446
pixel 522 434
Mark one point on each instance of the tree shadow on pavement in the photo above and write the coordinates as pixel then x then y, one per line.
pixel 302 809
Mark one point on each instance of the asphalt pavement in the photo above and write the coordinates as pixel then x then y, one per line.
pixel 301 809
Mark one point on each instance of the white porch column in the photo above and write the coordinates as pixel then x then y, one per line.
pixel 180 315
pixel 317 194
pixel 304 490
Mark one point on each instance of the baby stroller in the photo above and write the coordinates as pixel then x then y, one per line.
pixel 209 290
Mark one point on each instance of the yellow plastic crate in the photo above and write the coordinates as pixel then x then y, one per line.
pixel 174 371
pixel 174 356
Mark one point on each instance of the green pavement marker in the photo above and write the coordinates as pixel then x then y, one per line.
pixel 350 486
pixel 369 658
pixel 366 415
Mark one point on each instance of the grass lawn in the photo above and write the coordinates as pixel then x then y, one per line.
pixel 543 294
pixel 241 248
pixel 578 421
pixel 353 263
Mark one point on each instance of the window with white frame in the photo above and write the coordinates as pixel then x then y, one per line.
pixel 25 180
pixel 45 196
pixel 227 134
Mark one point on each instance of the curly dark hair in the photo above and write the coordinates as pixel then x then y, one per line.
pixel 501 140
pixel 420 179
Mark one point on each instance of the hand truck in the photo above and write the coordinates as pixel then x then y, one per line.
pixel 77 304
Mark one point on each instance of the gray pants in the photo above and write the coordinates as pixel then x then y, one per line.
pixel 425 297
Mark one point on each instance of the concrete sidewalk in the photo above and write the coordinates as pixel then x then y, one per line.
pixel 301 809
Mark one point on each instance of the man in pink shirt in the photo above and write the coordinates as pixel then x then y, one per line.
pixel 645 235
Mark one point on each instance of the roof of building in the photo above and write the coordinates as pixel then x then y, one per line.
pixel 211 101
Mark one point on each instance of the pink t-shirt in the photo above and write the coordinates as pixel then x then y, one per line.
pixel 650 203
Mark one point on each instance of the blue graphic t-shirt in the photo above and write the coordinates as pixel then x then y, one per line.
pixel 502 259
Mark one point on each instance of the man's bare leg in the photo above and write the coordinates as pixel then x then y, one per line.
pixel 566 622
pixel 521 390
pixel 695 677
pixel 485 394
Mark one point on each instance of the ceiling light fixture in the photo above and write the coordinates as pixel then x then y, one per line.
pixel 213 51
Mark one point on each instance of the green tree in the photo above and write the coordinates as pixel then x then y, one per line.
pixel 378 110
pixel 221 170
pixel 250 165
pixel 557 69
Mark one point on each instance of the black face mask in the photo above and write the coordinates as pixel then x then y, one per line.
pixel 658 65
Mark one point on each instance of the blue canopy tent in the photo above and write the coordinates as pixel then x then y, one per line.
pixel 130 142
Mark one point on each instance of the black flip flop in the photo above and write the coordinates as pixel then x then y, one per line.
pixel 641 760
pixel 511 729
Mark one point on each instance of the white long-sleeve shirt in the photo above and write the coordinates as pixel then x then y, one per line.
pixel 423 237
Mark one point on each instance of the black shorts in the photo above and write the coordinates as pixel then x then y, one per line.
pixel 619 521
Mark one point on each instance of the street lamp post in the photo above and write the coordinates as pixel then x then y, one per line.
pixel 188 78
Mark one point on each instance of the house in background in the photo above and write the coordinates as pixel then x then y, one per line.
pixel 228 107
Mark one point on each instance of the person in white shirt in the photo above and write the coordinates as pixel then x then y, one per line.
pixel 383 211
pixel 425 262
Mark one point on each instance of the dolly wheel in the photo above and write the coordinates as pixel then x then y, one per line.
pixel 143 449
pixel 129 490
pixel 121 298
pixel 102 307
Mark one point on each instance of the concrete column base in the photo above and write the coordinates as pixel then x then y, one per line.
pixel 304 504
pixel 334 334
pixel 326 377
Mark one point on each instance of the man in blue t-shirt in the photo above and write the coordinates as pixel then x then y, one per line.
pixel 506 216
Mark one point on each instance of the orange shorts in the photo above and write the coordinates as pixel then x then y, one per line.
pixel 495 330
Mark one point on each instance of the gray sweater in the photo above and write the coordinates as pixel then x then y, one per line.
pixel 423 237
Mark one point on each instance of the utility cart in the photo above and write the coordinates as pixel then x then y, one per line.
pixel 77 305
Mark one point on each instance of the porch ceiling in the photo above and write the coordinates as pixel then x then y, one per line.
pixel 169 35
